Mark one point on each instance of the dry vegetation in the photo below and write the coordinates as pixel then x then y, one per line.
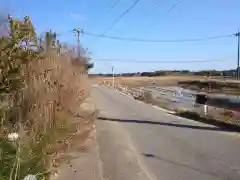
pixel 145 81
pixel 196 83
pixel 41 93
pixel 211 86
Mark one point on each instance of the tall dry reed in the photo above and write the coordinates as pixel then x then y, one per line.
pixel 44 116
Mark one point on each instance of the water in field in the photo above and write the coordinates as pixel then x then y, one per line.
pixel 176 96
pixel 183 98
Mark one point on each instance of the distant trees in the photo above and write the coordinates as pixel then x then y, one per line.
pixel 175 72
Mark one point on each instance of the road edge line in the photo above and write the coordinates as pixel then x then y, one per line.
pixel 165 110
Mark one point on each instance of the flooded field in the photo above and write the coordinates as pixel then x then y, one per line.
pixel 177 98
pixel 228 87
pixel 182 97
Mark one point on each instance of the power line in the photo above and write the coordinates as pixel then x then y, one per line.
pixel 114 5
pixel 116 2
pixel 157 18
pixel 173 6
pixel 145 61
pixel 121 16
pixel 156 40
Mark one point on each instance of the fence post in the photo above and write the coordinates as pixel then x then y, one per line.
pixel 205 109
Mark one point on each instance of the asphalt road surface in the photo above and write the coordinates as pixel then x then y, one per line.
pixel 140 142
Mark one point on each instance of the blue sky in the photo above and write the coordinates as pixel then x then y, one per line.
pixel 150 19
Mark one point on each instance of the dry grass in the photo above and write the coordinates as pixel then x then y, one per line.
pixel 213 86
pixel 148 98
pixel 44 115
pixel 196 83
pixel 143 81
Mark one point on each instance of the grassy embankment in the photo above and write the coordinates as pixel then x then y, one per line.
pixel 41 92
pixel 196 83
pixel 212 86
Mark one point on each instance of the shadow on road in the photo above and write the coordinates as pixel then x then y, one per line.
pixel 226 129
pixel 206 120
pixel 175 163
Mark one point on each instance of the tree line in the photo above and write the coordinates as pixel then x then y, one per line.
pixel 174 72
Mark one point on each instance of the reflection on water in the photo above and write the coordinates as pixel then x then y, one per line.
pixel 180 97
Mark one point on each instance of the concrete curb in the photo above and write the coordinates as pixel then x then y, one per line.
pixel 165 110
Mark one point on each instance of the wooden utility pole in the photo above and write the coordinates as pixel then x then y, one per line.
pixel 113 77
pixel 238 68
pixel 78 32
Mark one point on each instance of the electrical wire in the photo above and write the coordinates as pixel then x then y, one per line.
pixel 121 16
pixel 114 5
pixel 145 61
pixel 173 6
pixel 110 9
pixel 156 19
pixel 156 40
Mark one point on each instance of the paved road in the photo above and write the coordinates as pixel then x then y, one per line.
pixel 139 142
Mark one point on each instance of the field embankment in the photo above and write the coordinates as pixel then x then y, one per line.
pixel 195 83
pixel 145 81
pixel 183 103
pixel 213 86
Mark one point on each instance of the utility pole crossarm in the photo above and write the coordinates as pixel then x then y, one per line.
pixel 237 34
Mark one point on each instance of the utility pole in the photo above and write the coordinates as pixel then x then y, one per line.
pixel 113 76
pixel 238 68
pixel 78 31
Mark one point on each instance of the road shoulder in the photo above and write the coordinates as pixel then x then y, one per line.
pixel 119 158
pixel 83 163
